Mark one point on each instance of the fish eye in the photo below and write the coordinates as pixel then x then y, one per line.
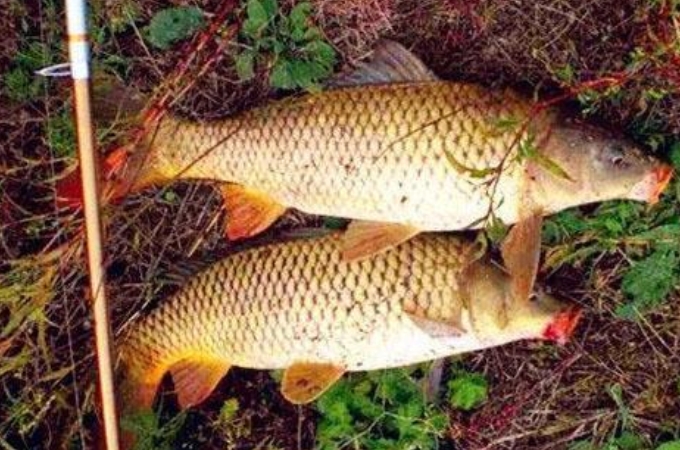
pixel 616 156
pixel 533 298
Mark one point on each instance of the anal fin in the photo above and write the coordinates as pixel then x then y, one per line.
pixel 363 239
pixel 304 382
pixel 196 378
pixel 249 212
pixel 521 251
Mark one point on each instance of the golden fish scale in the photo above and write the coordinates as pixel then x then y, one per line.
pixel 370 152
pixel 269 307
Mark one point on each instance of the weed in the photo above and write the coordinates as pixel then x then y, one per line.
pixel 650 281
pixel 172 25
pixel 20 82
pixel 296 52
pixel 626 438
pixel 61 134
pixel 150 433
pixel 121 14
pixel 467 390
pixel 378 410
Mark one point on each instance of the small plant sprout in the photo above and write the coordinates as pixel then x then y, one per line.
pixel 467 390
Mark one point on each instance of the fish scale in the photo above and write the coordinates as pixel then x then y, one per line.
pixel 368 152
pixel 341 312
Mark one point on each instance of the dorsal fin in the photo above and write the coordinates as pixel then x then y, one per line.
pixel 390 62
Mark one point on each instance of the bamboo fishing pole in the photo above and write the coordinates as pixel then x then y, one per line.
pixel 79 55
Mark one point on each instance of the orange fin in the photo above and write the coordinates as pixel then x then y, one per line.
pixel 521 251
pixel 363 239
pixel 249 212
pixel 69 189
pixel 304 382
pixel 195 379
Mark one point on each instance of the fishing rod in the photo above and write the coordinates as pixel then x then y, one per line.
pixel 79 57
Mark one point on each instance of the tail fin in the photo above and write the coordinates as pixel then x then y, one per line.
pixel 137 388
pixel 70 188
pixel 114 103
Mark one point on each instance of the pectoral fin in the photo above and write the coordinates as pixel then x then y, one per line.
pixel 196 378
pixel 249 212
pixel 304 382
pixel 363 239
pixel 521 253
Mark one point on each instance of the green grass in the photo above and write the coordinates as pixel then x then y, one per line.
pixel 20 83
pixel 624 436
pixel 150 432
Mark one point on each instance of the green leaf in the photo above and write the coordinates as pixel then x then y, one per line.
pixel 228 410
pixel 258 18
pixel 461 168
pixel 280 76
pixel 505 124
pixel 271 8
pixel 528 150
pixel 245 65
pixel 650 281
pixel 299 16
pixel 323 53
pixel 171 25
pixel 551 166
pixel 565 74
pixel 496 230
pixel 467 391
pixel 674 445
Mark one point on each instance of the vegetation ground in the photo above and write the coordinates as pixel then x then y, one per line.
pixel 615 386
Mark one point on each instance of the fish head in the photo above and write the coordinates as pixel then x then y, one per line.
pixel 499 317
pixel 545 317
pixel 599 166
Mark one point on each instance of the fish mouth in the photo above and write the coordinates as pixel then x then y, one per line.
pixel 563 325
pixel 653 184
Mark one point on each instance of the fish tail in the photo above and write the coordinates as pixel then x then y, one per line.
pixel 140 375
pixel 122 172
pixel 138 381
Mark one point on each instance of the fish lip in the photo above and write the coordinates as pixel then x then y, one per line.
pixel 653 184
pixel 563 325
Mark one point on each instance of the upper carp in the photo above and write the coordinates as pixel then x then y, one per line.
pixel 401 152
